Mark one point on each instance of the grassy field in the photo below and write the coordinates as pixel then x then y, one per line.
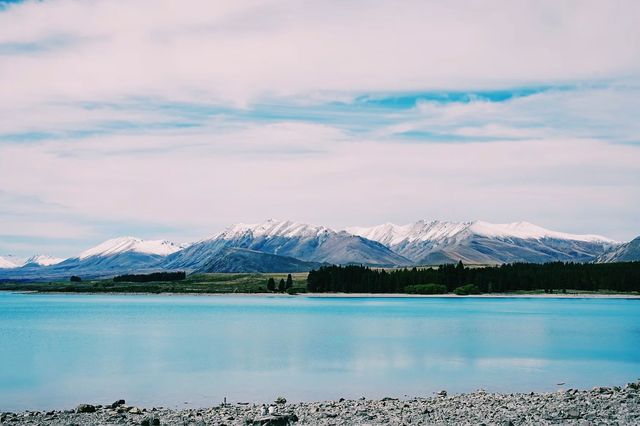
pixel 196 283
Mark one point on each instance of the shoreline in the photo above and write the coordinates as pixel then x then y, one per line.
pixel 600 405
pixel 483 296
pixel 350 295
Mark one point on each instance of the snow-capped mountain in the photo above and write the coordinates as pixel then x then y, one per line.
pixel 130 245
pixel 112 257
pixel 433 242
pixel 628 252
pixel 122 254
pixel 305 242
pixel 7 262
pixel 42 260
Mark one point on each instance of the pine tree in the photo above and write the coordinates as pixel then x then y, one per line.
pixel 289 282
pixel 281 285
pixel 271 284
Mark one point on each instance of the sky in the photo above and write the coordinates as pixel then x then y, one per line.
pixel 164 119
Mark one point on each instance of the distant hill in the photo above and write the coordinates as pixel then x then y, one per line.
pixel 112 257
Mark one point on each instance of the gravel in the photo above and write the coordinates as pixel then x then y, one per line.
pixel 598 406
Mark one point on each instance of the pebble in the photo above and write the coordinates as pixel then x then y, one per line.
pixel 599 406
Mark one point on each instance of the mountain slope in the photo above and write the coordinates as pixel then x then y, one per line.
pixel 242 260
pixel 628 252
pixel 42 260
pixel 285 238
pixel 121 254
pixel 434 242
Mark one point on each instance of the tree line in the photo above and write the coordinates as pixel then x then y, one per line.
pixel 155 276
pixel 551 277
pixel 282 285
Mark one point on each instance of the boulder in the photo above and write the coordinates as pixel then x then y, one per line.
pixel 85 408
pixel 118 403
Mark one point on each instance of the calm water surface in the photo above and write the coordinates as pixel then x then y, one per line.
pixel 59 350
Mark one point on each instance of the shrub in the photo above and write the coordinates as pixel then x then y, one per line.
pixel 426 289
pixel 466 290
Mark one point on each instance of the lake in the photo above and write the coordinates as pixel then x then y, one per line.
pixel 60 350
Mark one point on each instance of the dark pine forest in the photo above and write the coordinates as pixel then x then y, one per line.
pixel 550 277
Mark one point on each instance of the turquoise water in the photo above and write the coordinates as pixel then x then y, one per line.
pixel 59 350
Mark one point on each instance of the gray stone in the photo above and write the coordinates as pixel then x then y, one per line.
pixel 85 408
pixel 118 403
pixel 594 407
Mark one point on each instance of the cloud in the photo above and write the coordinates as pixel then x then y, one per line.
pixel 239 51
pixel 603 111
pixel 154 118
pixel 202 187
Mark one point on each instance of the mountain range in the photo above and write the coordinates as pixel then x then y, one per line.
pixel 436 242
pixel 35 260
pixel 286 246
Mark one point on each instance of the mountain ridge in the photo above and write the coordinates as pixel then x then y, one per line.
pixel 305 242
pixel 432 242
pixel 298 245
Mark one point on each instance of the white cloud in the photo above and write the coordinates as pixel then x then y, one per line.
pixel 604 111
pixel 220 179
pixel 238 51
pixel 92 79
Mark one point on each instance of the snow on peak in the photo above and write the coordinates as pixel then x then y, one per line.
pixel 6 263
pixel 273 228
pixel 130 244
pixel 529 231
pixel 43 260
pixel 391 234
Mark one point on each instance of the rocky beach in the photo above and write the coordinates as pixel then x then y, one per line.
pixel 598 406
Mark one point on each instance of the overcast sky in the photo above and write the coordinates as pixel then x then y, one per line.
pixel 173 119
